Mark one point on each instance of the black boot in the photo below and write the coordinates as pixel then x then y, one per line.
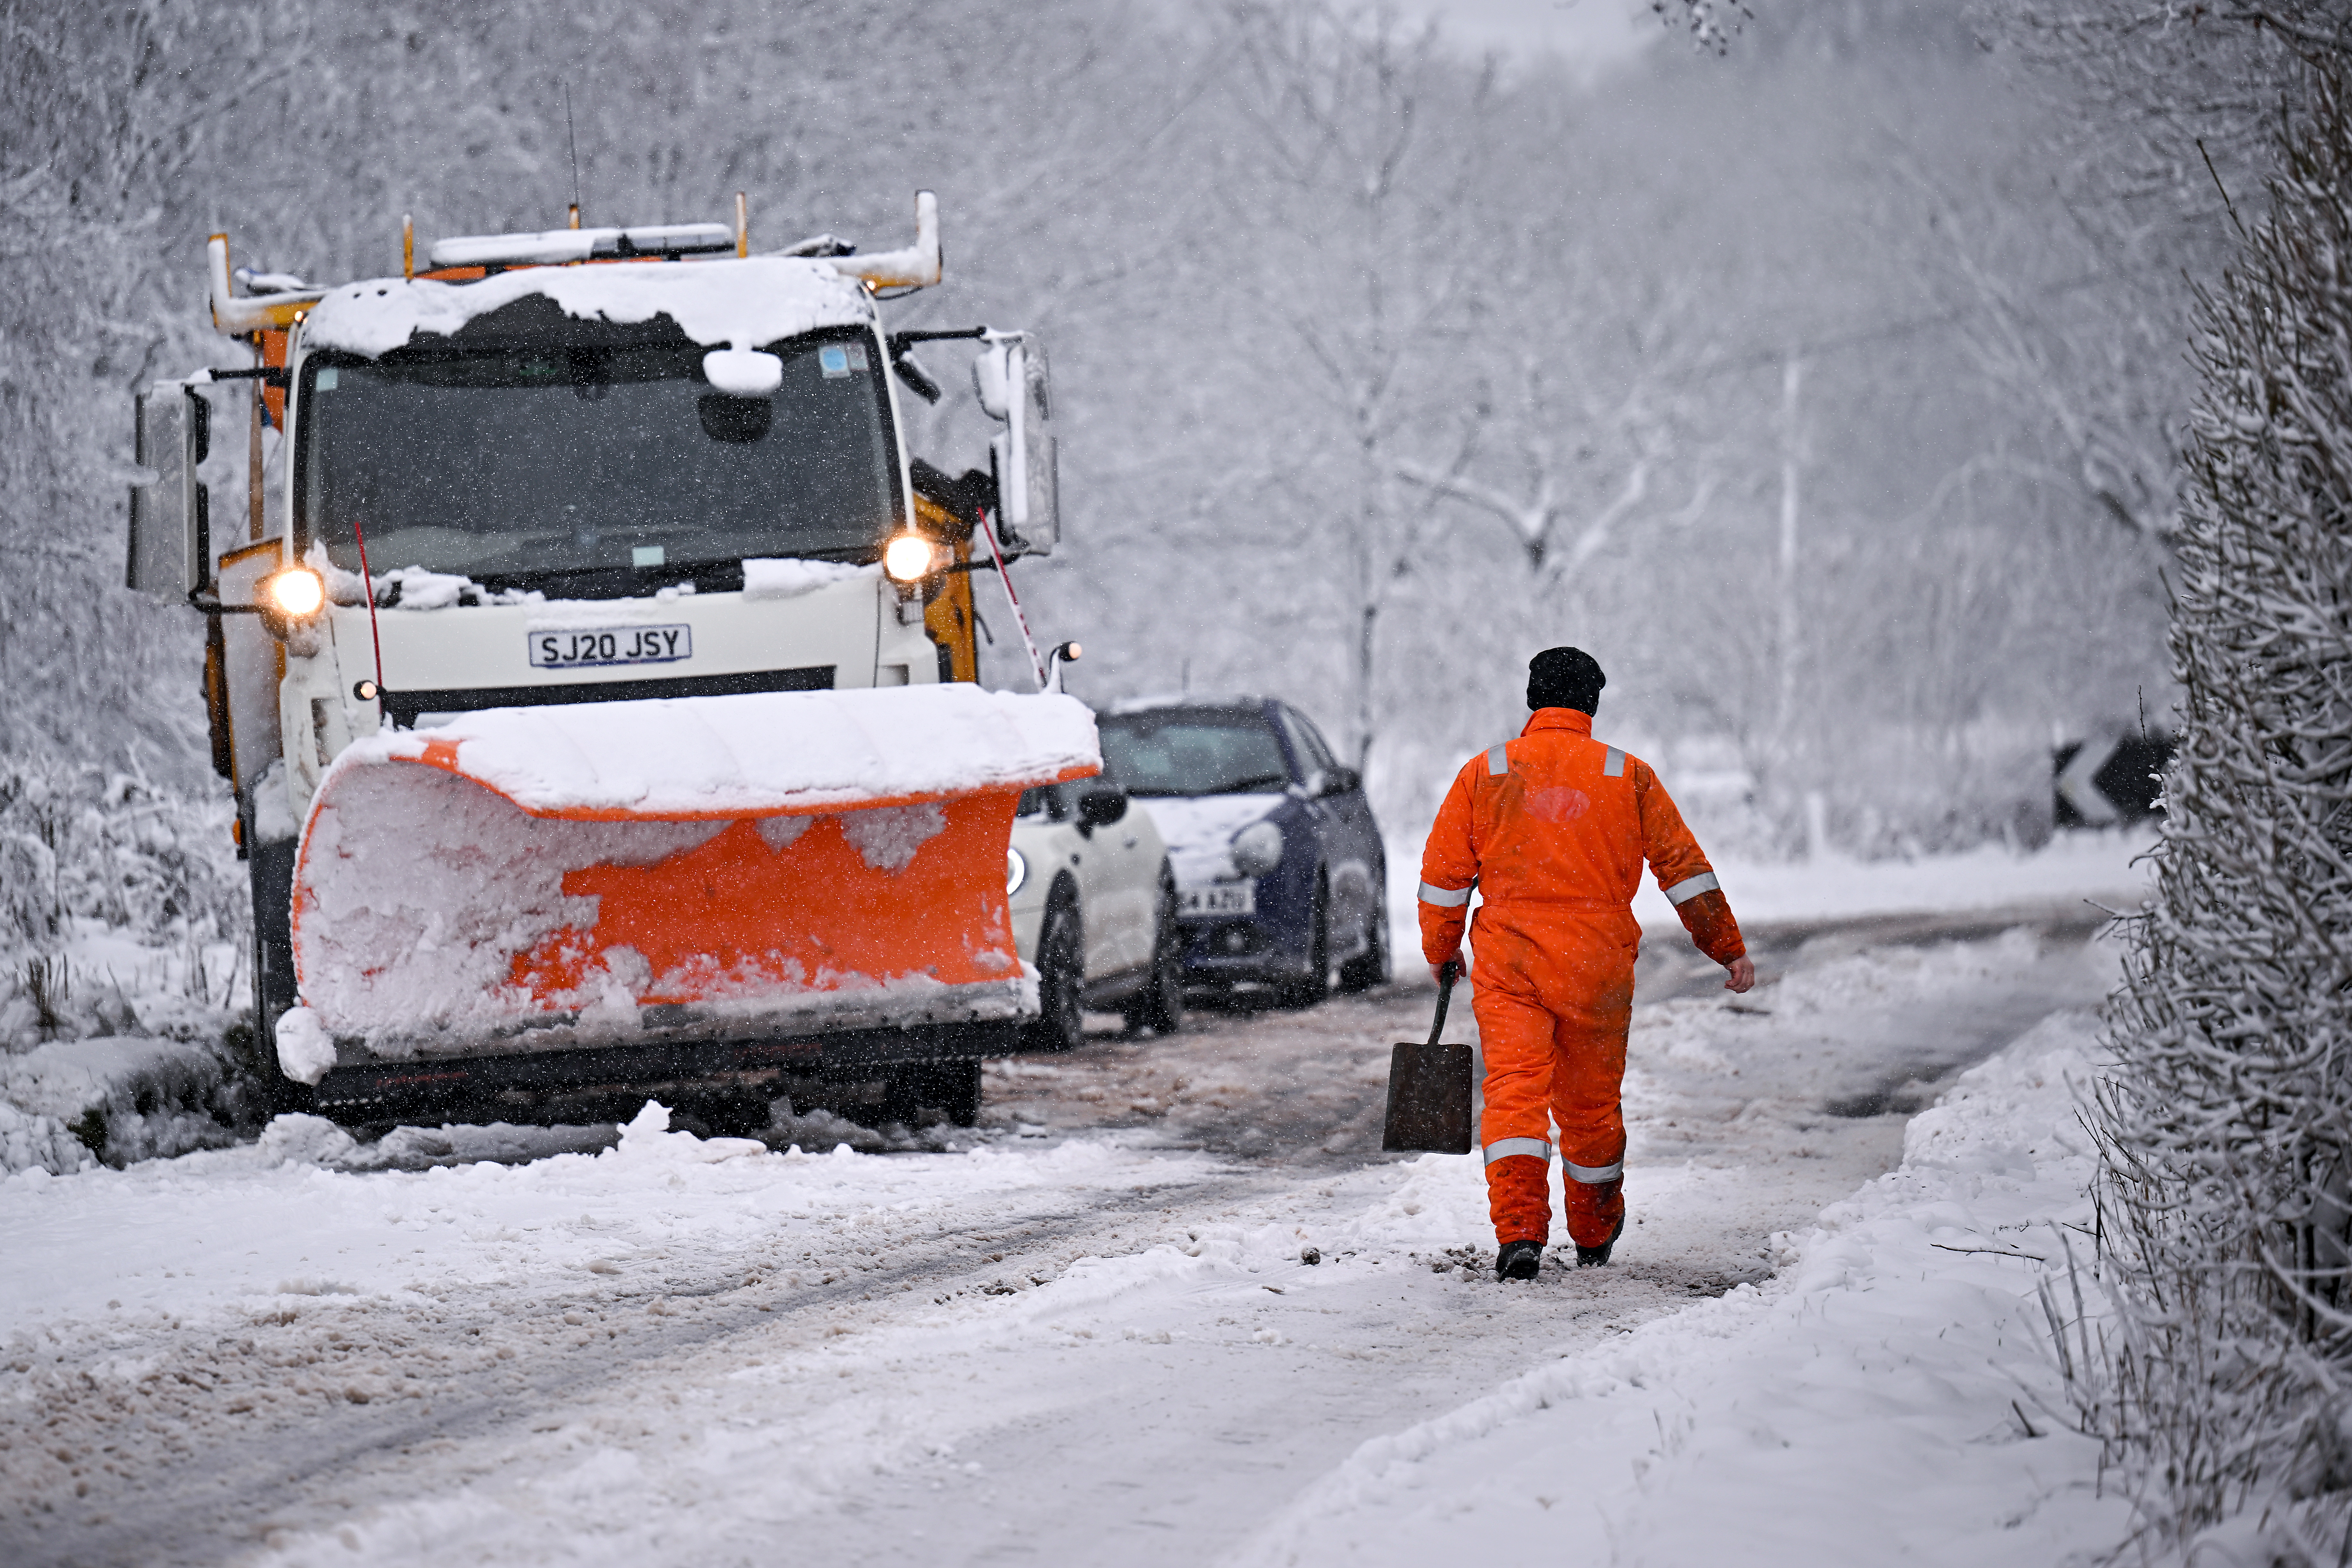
pixel 1519 1261
pixel 1596 1256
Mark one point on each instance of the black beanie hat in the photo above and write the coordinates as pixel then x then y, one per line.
pixel 1565 677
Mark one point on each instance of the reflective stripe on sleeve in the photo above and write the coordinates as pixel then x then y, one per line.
pixel 1497 762
pixel 1690 888
pixel 1614 767
pixel 1503 1148
pixel 1446 898
pixel 1592 1175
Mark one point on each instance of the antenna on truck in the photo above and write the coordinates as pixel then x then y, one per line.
pixel 573 137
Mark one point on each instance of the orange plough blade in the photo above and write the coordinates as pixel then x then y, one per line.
pixel 705 867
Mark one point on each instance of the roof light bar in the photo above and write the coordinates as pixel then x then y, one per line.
pixel 558 245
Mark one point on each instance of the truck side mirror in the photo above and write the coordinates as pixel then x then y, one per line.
pixel 1013 385
pixel 170 544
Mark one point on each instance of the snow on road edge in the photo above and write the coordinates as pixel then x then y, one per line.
pixel 1872 1402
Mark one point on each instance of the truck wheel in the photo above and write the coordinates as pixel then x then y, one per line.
pixel 951 1088
pixel 956 1091
pixel 1061 970
pixel 1315 983
pixel 272 873
pixel 1160 1007
pixel 1372 966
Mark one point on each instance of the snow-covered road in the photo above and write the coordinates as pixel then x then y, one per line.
pixel 1093 1337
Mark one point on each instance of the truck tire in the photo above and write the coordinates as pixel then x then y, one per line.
pixel 952 1088
pixel 956 1091
pixel 272 868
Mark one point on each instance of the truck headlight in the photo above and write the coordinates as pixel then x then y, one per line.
pixel 1017 871
pixel 907 558
pixel 295 593
pixel 288 601
pixel 1257 849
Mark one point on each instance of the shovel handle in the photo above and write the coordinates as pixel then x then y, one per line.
pixel 1447 974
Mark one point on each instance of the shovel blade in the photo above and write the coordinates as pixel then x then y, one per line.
pixel 1429 1099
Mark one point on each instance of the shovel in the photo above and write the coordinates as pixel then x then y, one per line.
pixel 1428 1088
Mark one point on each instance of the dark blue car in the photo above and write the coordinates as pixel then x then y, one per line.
pixel 1280 873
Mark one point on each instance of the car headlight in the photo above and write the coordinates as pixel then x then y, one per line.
pixel 1257 849
pixel 907 558
pixel 1017 871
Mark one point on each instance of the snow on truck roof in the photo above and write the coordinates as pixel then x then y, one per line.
pixel 731 303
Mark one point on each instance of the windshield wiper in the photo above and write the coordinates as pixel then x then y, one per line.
pixel 1252 782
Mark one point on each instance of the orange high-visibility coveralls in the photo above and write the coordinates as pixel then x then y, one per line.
pixel 1552 830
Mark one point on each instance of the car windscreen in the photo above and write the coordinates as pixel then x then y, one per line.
pixel 1188 751
pixel 525 464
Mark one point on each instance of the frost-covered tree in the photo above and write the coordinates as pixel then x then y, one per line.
pixel 2227 1120
pixel 1370 148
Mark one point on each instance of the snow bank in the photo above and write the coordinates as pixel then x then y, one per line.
pixel 1887 1397
pixel 295 1139
pixel 740 304
pixel 2072 867
pixel 206 1233
pixel 761 753
pixel 646 1138
pixel 135 1099
pixel 31 1143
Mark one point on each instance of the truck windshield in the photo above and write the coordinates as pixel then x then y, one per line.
pixel 1192 751
pixel 611 468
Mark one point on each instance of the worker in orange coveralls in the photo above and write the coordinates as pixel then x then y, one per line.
pixel 1551 829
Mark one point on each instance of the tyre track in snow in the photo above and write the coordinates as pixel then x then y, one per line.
pixel 244 1429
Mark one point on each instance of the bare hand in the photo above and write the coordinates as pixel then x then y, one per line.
pixel 1742 972
pixel 1437 971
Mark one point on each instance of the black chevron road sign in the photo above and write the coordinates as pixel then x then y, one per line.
pixel 2111 780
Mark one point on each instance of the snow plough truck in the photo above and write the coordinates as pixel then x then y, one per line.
pixel 595 673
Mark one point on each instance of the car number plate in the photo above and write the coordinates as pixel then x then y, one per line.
pixel 1223 898
pixel 610 645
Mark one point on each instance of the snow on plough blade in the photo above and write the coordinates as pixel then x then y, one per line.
pixel 528 879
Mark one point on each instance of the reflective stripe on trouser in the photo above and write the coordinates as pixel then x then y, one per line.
pixel 1445 898
pixel 1553 991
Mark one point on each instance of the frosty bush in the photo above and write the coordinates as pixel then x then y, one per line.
pixel 2227 1124
pixel 83 843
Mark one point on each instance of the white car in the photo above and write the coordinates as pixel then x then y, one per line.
pixel 1094 907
